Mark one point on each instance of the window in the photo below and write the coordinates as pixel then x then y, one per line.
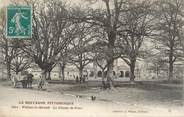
pixel 114 73
pixel 127 74
pixel 99 74
pixel 121 74
pixel 91 74
pixel 105 73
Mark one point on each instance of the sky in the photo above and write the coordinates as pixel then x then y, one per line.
pixel 4 3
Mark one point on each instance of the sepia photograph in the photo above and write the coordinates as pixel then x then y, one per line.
pixel 91 58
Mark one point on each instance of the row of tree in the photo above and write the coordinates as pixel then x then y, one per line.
pixel 68 34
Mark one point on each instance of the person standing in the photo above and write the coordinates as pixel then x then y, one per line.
pixel 30 80
pixel 41 81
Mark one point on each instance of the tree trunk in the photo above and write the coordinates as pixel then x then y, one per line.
pixel 8 61
pixel 81 74
pixel 171 66
pixel 110 65
pixel 103 77
pixel 43 74
pixel 48 75
pixel 62 71
pixel 8 65
pixel 132 70
pixel 16 72
pixel 157 72
pixel 110 60
pixel 170 71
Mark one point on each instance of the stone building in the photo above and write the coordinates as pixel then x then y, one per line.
pixel 121 70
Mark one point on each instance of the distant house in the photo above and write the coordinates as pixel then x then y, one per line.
pixel 121 70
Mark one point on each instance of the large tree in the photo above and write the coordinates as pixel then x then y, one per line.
pixel 100 60
pixel 63 62
pixel 80 53
pixel 9 47
pixel 137 25
pixel 170 15
pixel 106 18
pixel 52 32
pixel 157 64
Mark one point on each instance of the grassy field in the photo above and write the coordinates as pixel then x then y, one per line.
pixel 147 93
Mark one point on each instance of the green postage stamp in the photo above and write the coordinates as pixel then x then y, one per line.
pixel 19 22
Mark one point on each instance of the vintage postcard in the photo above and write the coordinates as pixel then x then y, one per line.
pixel 91 58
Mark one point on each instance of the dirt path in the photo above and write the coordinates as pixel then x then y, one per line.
pixel 35 103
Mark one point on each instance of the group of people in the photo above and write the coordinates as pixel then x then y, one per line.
pixel 27 82
pixel 25 78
